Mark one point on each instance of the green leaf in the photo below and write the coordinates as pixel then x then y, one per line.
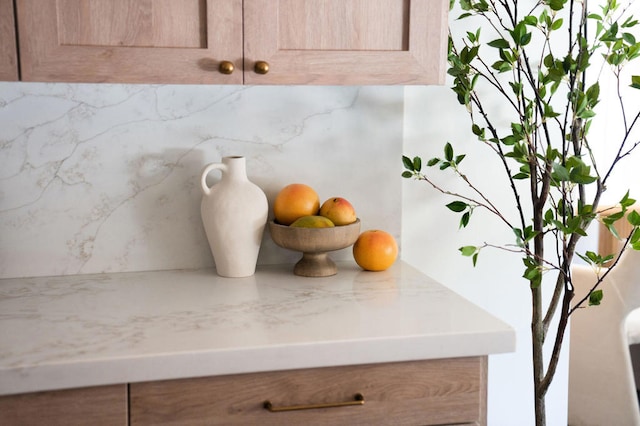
pixel 595 297
pixel 468 250
pixel 635 81
pixel 555 4
pixel 613 230
pixel 629 38
pixel 612 218
pixel 627 201
pixel 433 162
pixel 593 94
pixel 407 174
pixel 408 164
pixel 560 173
pixel 556 24
pixel 448 152
pixel 417 164
pixel 595 259
pixel 457 206
pixel 464 220
pixel 634 218
pixel 499 43
pixel 630 22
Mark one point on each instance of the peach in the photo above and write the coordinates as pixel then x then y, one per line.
pixel 339 211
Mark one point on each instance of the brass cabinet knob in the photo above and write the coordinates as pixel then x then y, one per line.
pixel 226 67
pixel 261 67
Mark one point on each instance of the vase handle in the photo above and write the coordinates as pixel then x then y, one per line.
pixel 205 172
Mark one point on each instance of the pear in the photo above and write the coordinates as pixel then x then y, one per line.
pixel 312 221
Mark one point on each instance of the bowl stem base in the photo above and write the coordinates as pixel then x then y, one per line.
pixel 315 265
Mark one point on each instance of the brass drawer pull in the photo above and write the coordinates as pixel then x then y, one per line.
pixel 358 399
pixel 261 67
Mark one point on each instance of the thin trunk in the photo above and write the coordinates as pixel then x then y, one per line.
pixel 537 339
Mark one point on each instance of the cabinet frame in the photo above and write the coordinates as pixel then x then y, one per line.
pixel 8 46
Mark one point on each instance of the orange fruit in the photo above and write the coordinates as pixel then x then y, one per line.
pixel 375 250
pixel 294 201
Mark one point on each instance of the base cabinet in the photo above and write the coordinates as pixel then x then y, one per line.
pixel 437 392
pixel 434 392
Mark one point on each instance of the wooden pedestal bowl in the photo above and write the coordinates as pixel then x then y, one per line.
pixel 315 245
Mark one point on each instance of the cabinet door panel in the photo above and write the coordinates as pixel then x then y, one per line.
pixel 133 23
pixel 346 41
pixel 8 57
pixel 130 41
pixel 95 406
pixel 343 25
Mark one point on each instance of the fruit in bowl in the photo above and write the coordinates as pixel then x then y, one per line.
pixel 315 243
pixel 294 201
pixel 339 210
pixel 312 222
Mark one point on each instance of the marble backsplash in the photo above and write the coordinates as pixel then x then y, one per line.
pixel 104 178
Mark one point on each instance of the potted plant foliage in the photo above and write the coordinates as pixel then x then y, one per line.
pixel 544 59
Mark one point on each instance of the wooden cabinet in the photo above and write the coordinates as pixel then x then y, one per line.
pixel 187 41
pixel 436 392
pixel 97 406
pixel 8 53
pixel 433 392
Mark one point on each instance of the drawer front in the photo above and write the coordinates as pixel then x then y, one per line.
pixel 434 392
pixel 95 406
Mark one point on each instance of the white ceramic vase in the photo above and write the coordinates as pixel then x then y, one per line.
pixel 234 213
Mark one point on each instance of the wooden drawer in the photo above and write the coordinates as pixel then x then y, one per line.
pixel 95 406
pixel 435 392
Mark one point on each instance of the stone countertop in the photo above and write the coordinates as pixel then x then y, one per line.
pixel 88 330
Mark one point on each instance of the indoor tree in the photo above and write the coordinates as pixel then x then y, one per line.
pixel 544 59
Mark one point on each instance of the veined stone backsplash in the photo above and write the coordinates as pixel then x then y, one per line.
pixel 105 178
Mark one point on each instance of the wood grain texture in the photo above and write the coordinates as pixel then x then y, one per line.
pixel 127 41
pixel 96 406
pixel 132 23
pixel 412 51
pixel 8 53
pixel 432 392
pixel 343 24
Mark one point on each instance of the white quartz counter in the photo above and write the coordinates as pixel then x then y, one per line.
pixel 86 330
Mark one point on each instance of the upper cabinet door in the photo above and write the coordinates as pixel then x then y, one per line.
pixel 130 41
pixel 345 41
pixel 8 56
